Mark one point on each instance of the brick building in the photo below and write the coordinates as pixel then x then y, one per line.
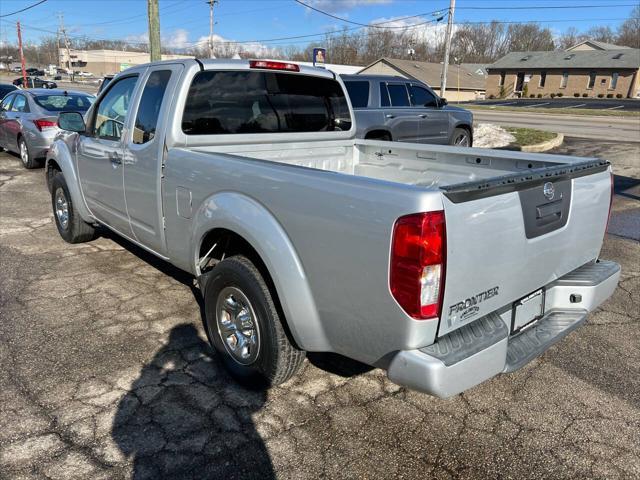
pixel 589 69
pixel 463 82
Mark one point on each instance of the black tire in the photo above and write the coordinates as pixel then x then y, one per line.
pixel 28 161
pixel 74 230
pixel 460 136
pixel 277 359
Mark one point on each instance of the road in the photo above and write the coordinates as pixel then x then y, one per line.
pixel 106 374
pixel 624 129
pixel 623 104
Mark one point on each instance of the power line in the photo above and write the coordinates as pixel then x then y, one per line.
pixel 549 7
pixel 23 9
pixel 374 25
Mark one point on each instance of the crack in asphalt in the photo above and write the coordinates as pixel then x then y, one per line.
pixel 107 375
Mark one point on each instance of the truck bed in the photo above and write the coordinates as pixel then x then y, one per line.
pixel 406 163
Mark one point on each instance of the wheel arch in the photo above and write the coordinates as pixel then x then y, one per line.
pixel 59 159
pixel 376 133
pixel 236 223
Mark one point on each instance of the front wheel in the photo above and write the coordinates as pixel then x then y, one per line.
pixel 461 138
pixel 70 226
pixel 244 325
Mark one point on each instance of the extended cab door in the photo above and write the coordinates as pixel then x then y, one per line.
pixel 100 153
pixel 433 121
pixel 143 155
pixel 400 118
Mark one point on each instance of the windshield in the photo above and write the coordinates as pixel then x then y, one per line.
pixel 69 102
pixel 224 102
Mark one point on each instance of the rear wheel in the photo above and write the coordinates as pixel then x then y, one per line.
pixel 244 325
pixel 461 138
pixel 27 158
pixel 70 226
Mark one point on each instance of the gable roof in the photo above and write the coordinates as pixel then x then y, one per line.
pixel 429 73
pixel 628 58
pixel 595 45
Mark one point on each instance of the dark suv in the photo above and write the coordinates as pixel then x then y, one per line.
pixel 398 109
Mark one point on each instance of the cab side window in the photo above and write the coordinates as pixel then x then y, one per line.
pixel 149 108
pixel 111 113
pixel 20 104
pixel 421 97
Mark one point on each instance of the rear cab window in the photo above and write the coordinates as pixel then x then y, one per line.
pixel 358 93
pixel 244 102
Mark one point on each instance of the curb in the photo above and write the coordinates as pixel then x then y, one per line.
pixel 544 146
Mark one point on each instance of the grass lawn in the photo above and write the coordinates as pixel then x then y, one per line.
pixel 559 111
pixel 529 136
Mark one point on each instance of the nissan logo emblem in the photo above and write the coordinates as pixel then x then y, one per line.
pixel 548 190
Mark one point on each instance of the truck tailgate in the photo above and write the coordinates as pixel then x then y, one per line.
pixel 510 236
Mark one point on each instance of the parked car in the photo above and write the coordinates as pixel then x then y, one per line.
pixel 28 120
pixel 248 175
pixel 394 108
pixel 34 72
pixel 5 88
pixel 105 82
pixel 35 82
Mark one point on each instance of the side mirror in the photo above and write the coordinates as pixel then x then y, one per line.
pixel 443 102
pixel 71 121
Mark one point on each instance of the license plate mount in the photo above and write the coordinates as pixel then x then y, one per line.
pixel 527 310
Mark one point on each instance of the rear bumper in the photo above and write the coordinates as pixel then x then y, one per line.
pixel 482 349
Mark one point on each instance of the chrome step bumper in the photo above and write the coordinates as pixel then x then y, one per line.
pixel 482 349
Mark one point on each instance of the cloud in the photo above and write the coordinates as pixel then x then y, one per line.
pixel 342 5
pixel 428 33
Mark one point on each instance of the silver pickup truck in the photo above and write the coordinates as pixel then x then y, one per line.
pixel 443 265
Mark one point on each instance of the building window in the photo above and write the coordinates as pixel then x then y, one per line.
pixel 543 79
pixel 614 81
pixel 592 79
pixel 564 79
pixel 502 77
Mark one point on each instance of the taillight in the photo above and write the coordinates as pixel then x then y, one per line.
pixel 43 124
pixel 269 65
pixel 418 261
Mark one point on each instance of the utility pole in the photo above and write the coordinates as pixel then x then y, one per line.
pixel 447 48
pixel 24 70
pixel 153 13
pixel 211 5
pixel 66 45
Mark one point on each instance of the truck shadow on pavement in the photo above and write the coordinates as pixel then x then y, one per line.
pixel 183 417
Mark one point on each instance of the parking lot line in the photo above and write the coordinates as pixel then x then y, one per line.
pixel 538 104
pixel 614 108
pixel 576 106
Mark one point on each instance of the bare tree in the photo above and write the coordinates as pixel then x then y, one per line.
pixel 629 31
pixel 569 38
pixel 601 34
pixel 529 37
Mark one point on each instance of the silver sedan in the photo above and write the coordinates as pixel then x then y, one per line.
pixel 28 120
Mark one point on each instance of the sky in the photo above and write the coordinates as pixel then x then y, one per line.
pixel 185 22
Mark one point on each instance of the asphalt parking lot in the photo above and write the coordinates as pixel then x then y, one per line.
pixel 622 104
pixel 107 375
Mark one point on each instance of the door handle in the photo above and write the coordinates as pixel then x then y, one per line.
pixel 115 158
pixel 389 115
pixel 423 115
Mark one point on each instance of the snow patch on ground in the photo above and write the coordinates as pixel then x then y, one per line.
pixel 488 135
